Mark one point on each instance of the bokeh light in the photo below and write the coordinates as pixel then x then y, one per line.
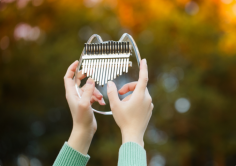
pixel 91 3
pixel 227 1
pixel 170 82
pixel 157 160
pixel 182 105
pixel 192 8
pixel 26 32
pixel 156 136
pixel 37 2
pixel 35 162
pixel 22 160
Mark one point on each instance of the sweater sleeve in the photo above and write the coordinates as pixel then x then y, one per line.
pixel 132 154
pixel 70 157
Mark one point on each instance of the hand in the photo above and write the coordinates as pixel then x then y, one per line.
pixel 84 122
pixel 133 113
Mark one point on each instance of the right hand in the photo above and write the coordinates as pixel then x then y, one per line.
pixel 133 113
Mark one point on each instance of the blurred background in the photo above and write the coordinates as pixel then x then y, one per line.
pixel 190 47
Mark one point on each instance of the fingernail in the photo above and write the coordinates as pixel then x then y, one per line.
pixel 100 93
pixel 109 84
pixel 76 61
pixel 89 81
pixel 103 101
pixel 145 60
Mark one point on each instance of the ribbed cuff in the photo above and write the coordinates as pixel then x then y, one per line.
pixel 132 154
pixel 70 157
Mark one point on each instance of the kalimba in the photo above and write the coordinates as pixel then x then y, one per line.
pixel 105 60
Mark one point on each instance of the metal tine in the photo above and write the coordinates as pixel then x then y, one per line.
pixel 127 65
pixel 94 69
pixel 124 65
pixel 88 65
pixel 121 66
pixel 115 68
pixel 118 67
pixel 91 68
pixel 101 73
pixel 104 72
pixel 107 70
pixel 85 68
pixel 88 71
pixel 110 66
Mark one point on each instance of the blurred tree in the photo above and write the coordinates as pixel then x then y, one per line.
pixel 190 50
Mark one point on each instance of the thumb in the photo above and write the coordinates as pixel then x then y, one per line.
pixel 88 91
pixel 112 94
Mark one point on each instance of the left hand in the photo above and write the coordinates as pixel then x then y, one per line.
pixel 84 122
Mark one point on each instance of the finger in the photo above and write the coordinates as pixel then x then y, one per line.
pixel 151 107
pixel 71 70
pixel 88 91
pixel 127 97
pixel 101 102
pixel 80 91
pixel 79 77
pixel 127 88
pixel 112 94
pixel 95 99
pixel 69 82
pixel 96 92
pixel 143 77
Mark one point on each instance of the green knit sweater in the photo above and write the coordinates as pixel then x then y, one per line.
pixel 130 154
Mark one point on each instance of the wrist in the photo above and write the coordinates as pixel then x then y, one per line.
pixel 80 140
pixel 132 137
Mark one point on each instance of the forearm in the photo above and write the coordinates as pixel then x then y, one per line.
pixel 132 154
pixel 80 140
pixel 130 136
pixel 75 151
pixel 70 157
